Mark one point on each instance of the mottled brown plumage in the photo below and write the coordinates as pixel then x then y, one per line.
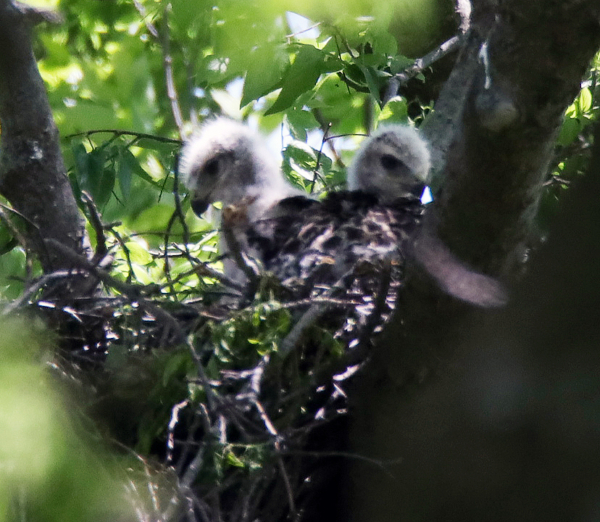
pixel 345 234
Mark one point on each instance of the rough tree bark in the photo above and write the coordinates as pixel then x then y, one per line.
pixel 494 129
pixel 32 172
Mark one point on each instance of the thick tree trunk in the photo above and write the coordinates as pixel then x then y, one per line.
pixel 494 130
pixel 526 61
pixel 32 173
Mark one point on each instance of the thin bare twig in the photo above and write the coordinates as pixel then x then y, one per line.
pixel 172 331
pixel 183 458
pixel 203 269
pixel 556 180
pixel 309 318
pixel 20 237
pixel 178 208
pixel 247 497
pixel 273 432
pixel 85 264
pixel 330 301
pixel 320 153
pixel 14 230
pixel 383 464
pixel 163 38
pixel 293 35
pixel 134 292
pixel 292 340
pixel 177 214
pixel 34 288
pixel 117 133
pixel 149 25
pixel 96 221
pixel 126 252
pixel 166 265
pixel 211 398
pixel 288 485
pixel 419 65
pixel 193 469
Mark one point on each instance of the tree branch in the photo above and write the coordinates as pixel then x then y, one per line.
pixel 32 173
pixel 419 65
pixel 526 61
pixel 164 40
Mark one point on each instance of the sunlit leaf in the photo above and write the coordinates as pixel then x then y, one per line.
pixel 265 69
pixel 233 460
pixel 301 76
pixel 569 131
pixel 584 101
pixel 394 111
pixel 299 121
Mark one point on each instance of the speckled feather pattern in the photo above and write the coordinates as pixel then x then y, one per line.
pixel 347 234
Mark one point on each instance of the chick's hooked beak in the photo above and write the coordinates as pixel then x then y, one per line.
pixel 199 205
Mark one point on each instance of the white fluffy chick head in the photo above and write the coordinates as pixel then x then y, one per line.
pixel 227 161
pixel 393 162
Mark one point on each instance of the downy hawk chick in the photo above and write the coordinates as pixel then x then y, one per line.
pixel 366 225
pixel 393 162
pixel 226 161
pixel 383 167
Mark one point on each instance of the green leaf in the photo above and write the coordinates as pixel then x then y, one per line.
pixel 102 179
pixel 299 121
pixel 301 76
pixel 125 170
pixel 7 241
pixel 81 160
pixel 12 273
pixel 94 177
pixel 265 69
pixel 570 129
pixel 185 14
pixel 153 218
pixel 302 157
pixel 399 63
pixel 355 74
pixel 175 365
pixel 86 115
pixel 394 111
pixel 371 79
pixel 138 252
pixel 139 171
pixel 584 101
pixel 165 148
pixel 233 460
pixel 382 42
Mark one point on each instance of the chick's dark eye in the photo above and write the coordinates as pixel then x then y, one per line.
pixel 212 167
pixel 390 162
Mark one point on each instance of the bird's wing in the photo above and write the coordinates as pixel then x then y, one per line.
pixel 326 239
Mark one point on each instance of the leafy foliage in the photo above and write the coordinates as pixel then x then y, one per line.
pixel 574 143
